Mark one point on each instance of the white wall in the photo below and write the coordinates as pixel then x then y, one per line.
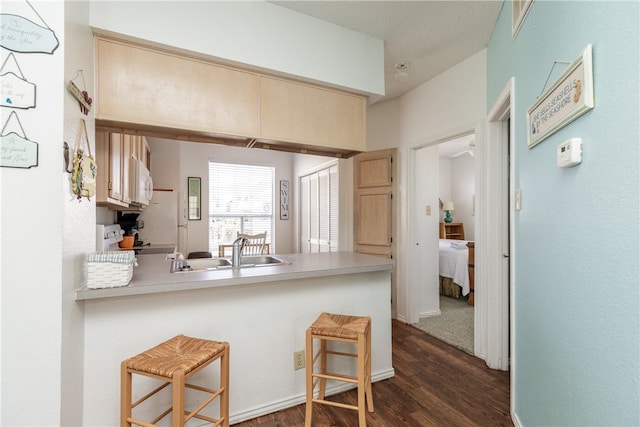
pixel 264 324
pixel 457 183
pixel 425 238
pixel 78 219
pixel 449 104
pixel 174 161
pixel 445 182
pixel 256 33
pixel 45 234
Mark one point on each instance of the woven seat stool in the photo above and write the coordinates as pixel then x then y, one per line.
pixel 173 362
pixel 350 329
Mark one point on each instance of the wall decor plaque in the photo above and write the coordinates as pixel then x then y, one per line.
pixel 570 97
pixel 15 90
pixel 20 34
pixel 16 150
pixel 284 199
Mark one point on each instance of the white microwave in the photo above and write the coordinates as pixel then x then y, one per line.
pixel 140 183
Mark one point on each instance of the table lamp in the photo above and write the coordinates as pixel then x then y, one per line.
pixel 448 207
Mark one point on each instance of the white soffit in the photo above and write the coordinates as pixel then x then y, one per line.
pixel 432 35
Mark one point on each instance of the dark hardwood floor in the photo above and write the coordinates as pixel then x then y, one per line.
pixel 435 385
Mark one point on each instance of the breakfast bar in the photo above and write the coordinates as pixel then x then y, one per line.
pixel 262 312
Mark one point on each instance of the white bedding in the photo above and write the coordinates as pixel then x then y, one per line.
pixel 454 263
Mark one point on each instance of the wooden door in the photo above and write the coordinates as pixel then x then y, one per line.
pixel 375 207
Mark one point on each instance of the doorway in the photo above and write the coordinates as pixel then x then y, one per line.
pixel 444 203
pixel 498 253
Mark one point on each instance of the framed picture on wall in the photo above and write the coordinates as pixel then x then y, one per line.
pixel 570 97
pixel 194 197
pixel 519 11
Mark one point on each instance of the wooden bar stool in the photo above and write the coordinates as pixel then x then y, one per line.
pixel 337 327
pixel 175 361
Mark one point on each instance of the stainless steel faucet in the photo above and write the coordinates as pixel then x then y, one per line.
pixel 237 248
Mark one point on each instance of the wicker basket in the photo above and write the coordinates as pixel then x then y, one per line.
pixel 108 274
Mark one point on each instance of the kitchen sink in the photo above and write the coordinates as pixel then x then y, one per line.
pixel 208 264
pixel 200 264
pixel 260 261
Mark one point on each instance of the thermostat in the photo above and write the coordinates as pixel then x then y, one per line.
pixel 570 153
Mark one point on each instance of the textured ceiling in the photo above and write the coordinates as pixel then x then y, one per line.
pixel 431 35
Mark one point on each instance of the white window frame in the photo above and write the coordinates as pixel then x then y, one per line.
pixel 215 213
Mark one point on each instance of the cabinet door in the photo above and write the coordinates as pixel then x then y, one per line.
pixel 295 112
pixel 130 145
pixel 375 208
pixel 151 87
pixel 374 220
pixel 109 152
pixel 116 167
pixel 145 152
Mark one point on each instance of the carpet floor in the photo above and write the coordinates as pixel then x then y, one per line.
pixel 454 325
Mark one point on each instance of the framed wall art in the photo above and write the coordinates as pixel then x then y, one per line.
pixel 194 200
pixel 570 97
pixel 284 199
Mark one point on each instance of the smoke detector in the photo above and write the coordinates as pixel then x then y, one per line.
pixel 402 68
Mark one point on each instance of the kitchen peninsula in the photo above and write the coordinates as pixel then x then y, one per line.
pixel 262 312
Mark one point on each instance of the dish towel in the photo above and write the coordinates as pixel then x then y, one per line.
pixel 118 257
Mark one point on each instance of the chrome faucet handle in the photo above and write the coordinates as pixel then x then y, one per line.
pixel 237 247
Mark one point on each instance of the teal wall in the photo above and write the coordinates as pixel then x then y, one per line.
pixel 577 236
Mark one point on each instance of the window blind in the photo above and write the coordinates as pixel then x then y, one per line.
pixel 319 211
pixel 241 199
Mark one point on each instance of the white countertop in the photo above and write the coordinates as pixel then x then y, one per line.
pixel 152 275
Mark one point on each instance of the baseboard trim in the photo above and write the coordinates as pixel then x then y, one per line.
pixel 429 313
pixel 299 399
pixel 515 419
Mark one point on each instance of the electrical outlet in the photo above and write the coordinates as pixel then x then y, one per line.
pixel 298 359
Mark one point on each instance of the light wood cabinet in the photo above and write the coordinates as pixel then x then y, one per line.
pixel 373 205
pixel 375 208
pixel 165 94
pixel 113 180
pixel 110 159
pixel 452 230
pixel 295 112
pixel 151 87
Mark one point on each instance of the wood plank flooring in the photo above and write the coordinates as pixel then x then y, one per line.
pixel 435 385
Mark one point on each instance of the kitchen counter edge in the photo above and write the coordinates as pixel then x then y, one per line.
pixel 152 275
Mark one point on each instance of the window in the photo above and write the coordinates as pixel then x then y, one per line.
pixel 319 211
pixel 240 200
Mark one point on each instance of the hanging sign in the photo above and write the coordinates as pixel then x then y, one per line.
pixel 570 97
pixel 16 150
pixel 19 34
pixel 15 90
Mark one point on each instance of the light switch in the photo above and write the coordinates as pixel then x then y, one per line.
pixel 518 199
pixel 428 210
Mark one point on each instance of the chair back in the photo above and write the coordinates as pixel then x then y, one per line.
pixel 256 244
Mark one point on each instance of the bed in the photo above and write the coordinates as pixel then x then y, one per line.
pixel 456 272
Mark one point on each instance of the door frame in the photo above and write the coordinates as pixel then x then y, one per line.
pixel 494 283
pixel 413 288
pixel 498 255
